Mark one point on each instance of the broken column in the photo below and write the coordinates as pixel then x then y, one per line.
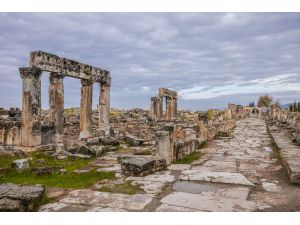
pixel 56 105
pixel 104 109
pixel 86 109
pixel 168 108
pixel 163 150
pixel 31 107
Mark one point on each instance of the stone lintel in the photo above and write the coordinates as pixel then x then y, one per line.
pixel 53 63
pixel 164 92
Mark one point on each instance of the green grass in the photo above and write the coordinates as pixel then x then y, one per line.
pixel 125 188
pixel 6 160
pixel 69 164
pixel 189 158
pixel 67 180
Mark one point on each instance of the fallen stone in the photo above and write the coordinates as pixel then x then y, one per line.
pixel 20 164
pixel 20 198
pixel 134 140
pixel 97 150
pixel 137 166
pixel 46 170
pixel 116 168
pixel 93 141
pixel 109 140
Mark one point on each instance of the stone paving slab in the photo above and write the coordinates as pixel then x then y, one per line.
pixel 63 207
pixel 174 208
pixel 179 167
pixel 154 183
pixel 290 155
pixel 91 198
pixel 210 201
pixel 215 177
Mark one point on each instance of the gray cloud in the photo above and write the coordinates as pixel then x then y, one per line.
pixel 206 52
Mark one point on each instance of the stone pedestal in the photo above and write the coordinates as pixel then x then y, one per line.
pixel 104 109
pixel 86 109
pixel 163 150
pixel 56 106
pixel 31 107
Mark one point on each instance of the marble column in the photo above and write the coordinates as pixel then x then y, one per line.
pixel 174 108
pixel 104 109
pixel 31 107
pixel 159 108
pixel 153 108
pixel 56 105
pixel 168 108
pixel 86 109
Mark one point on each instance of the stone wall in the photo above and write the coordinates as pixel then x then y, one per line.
pixel 176 140
pixel 285 119
pixel 10 125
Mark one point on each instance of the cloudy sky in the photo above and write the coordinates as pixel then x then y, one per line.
pixel 209 58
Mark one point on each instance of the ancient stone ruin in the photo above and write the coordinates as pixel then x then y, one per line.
pixel 31 130
pixel 156 106
pixel 178 158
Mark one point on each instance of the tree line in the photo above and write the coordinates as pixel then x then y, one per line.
pixel 294 107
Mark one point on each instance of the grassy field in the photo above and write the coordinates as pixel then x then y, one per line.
pixel 67 179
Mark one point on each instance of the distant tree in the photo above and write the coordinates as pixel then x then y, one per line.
pixel 277 104
pixel 251 104
pixel 291 107
pixel 295 107
pixel 264 101
pixel 298 106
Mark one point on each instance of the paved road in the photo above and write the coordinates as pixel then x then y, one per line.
pixel 238 173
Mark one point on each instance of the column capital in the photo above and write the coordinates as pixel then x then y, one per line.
pixel 56 78
pixel 30 72
pixel 105 84
pixel 86 82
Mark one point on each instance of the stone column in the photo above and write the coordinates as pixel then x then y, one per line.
pixel 152 107
pixel 104 109
pixel 56 105
pixel 163 150
pixel 173 108
pixel 168 108
pixel 31 107
pixel 86 109
pixel 159 108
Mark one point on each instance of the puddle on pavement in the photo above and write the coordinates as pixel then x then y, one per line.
pixel 273 152
pixel 195 188
pixel 268 149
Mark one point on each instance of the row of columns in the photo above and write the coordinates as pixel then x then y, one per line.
pixel 31 107
pixel 156 108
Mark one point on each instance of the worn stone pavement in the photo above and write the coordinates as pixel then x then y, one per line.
pixel 238 173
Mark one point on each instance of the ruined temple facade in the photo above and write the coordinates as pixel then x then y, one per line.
pixel 156 106
pixel 31 128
